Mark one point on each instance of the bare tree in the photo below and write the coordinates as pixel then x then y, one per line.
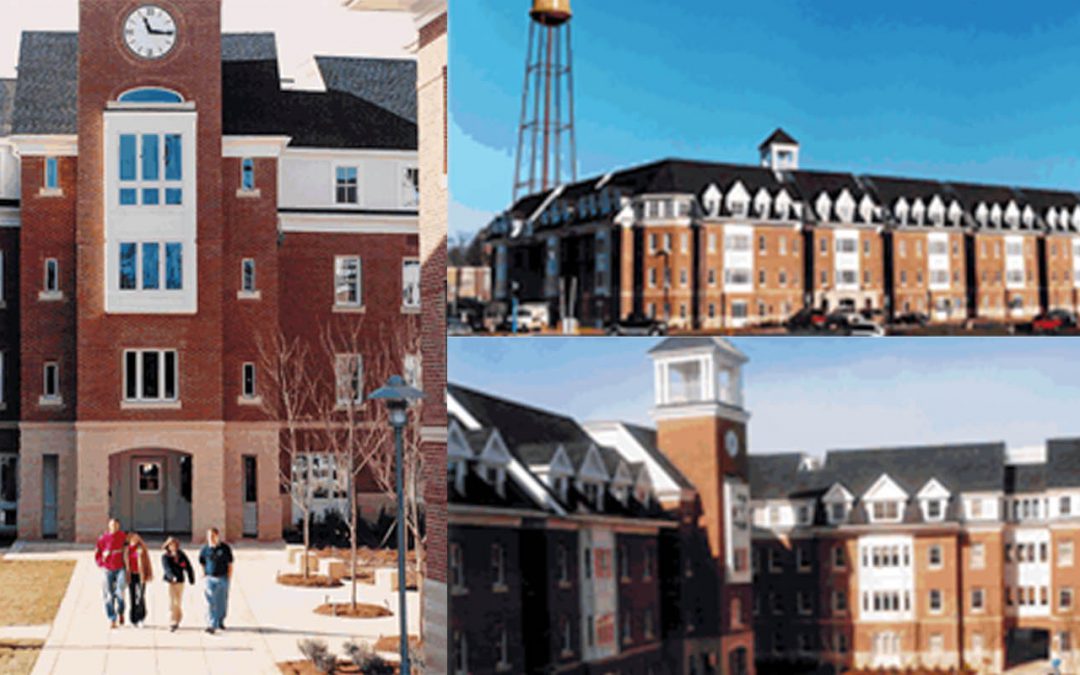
pixel 289 399
pixel 356 432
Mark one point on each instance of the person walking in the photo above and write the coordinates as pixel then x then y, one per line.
pixel 175 565
pixel 109 556
pixel 216 559
pixel 139 573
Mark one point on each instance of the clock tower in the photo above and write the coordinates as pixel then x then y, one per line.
pixel 701 428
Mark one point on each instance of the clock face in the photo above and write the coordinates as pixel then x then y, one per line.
pixel 150 32
pixel 731 443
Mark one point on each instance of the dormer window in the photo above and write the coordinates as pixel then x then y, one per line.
pixel 738 208
pixel 838 513
pixel 934 509
pixel 982 214
pixel 884 511
pixel 955 213
pixel 917 212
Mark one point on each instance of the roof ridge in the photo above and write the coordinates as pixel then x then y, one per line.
pixel 516 404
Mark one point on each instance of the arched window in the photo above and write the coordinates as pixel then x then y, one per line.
pixel 150 95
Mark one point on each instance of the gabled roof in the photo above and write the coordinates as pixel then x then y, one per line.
pixel 778 136
pixel 960 468
pixel 253 101
pixel 772 476
pixel 388 83
pixel 646 438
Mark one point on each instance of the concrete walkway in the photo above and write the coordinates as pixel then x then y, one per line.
pixel 265 622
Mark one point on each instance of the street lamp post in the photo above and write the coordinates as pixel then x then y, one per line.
pixel 398 396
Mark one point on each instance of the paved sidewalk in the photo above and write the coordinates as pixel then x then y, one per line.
pixel 265 621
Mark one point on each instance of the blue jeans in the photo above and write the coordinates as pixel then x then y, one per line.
pixel 217 600
pixel 112 592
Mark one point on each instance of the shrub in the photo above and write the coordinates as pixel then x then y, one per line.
pixel 364 657
pixel 319 654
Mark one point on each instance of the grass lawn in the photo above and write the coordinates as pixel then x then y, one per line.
pixel 18 656
pixel 33 590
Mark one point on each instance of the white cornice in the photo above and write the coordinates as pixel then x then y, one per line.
pixel 347 223
pixel 338 153
pixel 254 146
pixel 676 412
pixel 66 145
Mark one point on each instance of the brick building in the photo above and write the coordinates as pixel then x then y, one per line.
pixel 931 556
pixel 711 245
pixel 165 204
pixel 606 546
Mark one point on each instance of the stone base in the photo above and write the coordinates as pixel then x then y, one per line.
pixel 435 626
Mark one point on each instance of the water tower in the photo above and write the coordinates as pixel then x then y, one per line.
pixel 546 153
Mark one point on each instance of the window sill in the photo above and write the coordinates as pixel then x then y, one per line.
pixel 3 406
pixel 345 405
pixel 150 405
pixel 50 192
pixel 249 295
pixel 565 585
pixel 51 402
pixel 410 310
pixel 457 592
pixel 566 654
pixel 51 296
pixel 249 400
pixel 499 588
pixel 503 667
pixel 255 193
pixel 349 309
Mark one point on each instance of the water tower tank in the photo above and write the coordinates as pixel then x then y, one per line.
pixel 551 12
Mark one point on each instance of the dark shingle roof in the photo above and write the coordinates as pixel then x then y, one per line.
pixel 773 476
pixel 1063 462
pixel 253 102
pixel 966 467
pixel 523 428
pixel 388 83
pixel 646 438
pixel 7 105
pixel 778 136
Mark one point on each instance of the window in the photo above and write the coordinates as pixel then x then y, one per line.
pixel 413 374
pixel 837 512
pixel 143 267
pixel 650 629
pixel 627 635
pixel 802 559
pixel 247 174
pixel 52 177
pixel 839 601
pixel 802 602
pixel 457 568
pixel 50 386
pixel 150 95
pixel 150 165
pixel 248 380
pixel 935 556
pixel 935 601
pixel 647 573
pixel 1065 598
pixel 564 625
pixel 498 567
pixel 937 643
pixel 1065 506
pixel 839 558
pixel 934 510
pixel 503 650
pixel 977 600
pixel 774 561
pixel 841 643
pixel 886 511
pixel 350 378
pixel 150 375
pixel 776 603
pixel 978 556
pixel 410 186
pixel 1065 553
pixel 149 477
pixel 247 275
pixel 347 281
pixel 624 563
pixel 346 185
pixel 410 283
pixel 461 662
pixel 52 276
pixel 562 564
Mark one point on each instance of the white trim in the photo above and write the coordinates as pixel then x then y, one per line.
pixel 455 409
pixel 45 145
pixel 342 154
pixel 592 467
pixel 495 452
pixel 348 223
pixel 254 146
pixel 699 410
pixel 457 447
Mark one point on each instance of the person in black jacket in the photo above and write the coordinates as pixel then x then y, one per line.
pixel 176 565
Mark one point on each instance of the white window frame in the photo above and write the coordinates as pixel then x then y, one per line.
pixel 140 397
pixel 410 302
pixel 340 280
pixel 498 566
pixel 935 593
pixel 410 189
pixel 338 185
pixel 249 290
pixel 875 518
pixel 978 560
pixel 254 187
pixel 1066 553
pixel 935 548
pixel 838 551
pixel 457 568
pixel 980 606
pixel 253 393
pixel 54 288
pixel 50 379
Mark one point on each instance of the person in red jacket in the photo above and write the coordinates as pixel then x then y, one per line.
pixel 109 556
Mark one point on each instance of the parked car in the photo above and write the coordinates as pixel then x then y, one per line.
pixel 912 319
pixel 860 327
pixel 840 319
pixel 806 319
pixel 524 322
pixel 637 325
pixel 455 326
pixel 1053 321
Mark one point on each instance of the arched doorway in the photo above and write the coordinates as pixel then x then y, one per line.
pixel 150 490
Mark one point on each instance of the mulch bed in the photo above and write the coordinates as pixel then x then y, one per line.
pixel 367 557
pixel 308 668
pixel 345 609
pixel 312 581
pixel 33 590
pixel 391 643
pixel 18 656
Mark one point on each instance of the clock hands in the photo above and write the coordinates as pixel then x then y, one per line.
pixel 152 31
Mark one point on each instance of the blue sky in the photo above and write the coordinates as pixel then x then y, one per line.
pixel 811 394
pixel 981 91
